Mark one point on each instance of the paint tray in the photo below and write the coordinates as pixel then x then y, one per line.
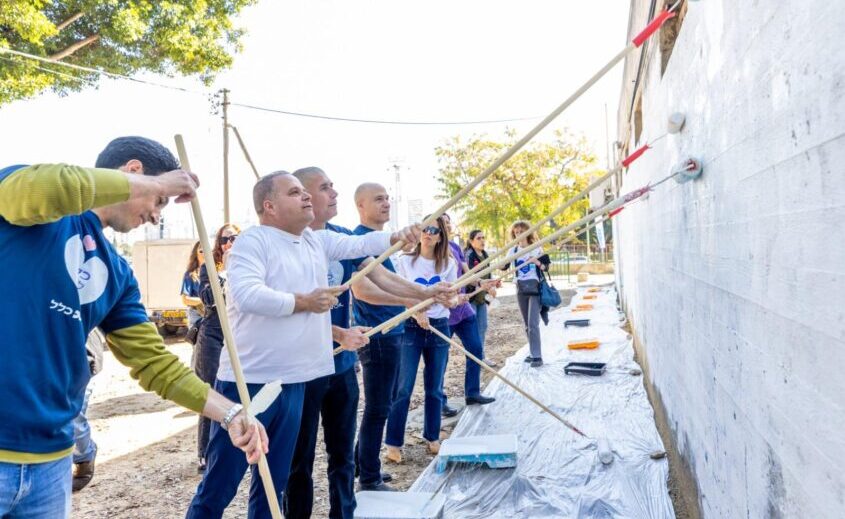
pixel 593 369
pixel 497 451
pixel 398 505
pixel 576 322
pixel 583 344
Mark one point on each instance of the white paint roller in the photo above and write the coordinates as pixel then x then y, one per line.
pixel 676 123
pixel 605 452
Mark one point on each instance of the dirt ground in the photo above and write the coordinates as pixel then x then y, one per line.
pixel 146 463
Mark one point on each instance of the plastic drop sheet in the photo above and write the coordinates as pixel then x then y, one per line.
pixel 558 473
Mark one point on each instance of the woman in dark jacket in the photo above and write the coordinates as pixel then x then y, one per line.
pixel 210 336
pixel 475 254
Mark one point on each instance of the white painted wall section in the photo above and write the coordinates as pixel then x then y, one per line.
pixel 735 283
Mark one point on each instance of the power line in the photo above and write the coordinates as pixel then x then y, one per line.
pixel 246 106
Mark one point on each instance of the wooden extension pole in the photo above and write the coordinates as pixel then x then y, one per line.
pixel 229 339
pixel 556 247
pixel 537 226
pixel 466 279
pixel 504 379
pixel 498 162
pixel 637 41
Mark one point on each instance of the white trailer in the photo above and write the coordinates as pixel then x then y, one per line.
pixel 159 266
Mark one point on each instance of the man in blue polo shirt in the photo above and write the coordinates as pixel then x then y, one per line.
pixel 62 278
pixel 380 360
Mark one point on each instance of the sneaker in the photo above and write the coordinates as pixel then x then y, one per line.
pixel 376 487
pixel 83 473
pixel 201 466
pixel 536 363
pixel 528 359
pixel 479 400
pixel 386 477
pixel 448 411
pixel 490 363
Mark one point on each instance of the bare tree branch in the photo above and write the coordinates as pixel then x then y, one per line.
pixel 60 27
pixel 69 50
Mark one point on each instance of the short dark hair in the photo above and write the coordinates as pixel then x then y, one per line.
pixel 263 189
pixel 155 158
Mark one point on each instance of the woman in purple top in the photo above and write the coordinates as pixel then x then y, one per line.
pixel 462 322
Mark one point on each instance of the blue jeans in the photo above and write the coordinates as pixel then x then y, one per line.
pixel 467 330
pixel 380 366
pixel 227 464
pixel 37 491
pixel 335 397
pixel 84 448
pixel 417 343
pixel 481 319
pixel 206 361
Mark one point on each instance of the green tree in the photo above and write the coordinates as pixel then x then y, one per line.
pixel 189 37
pixel 529 186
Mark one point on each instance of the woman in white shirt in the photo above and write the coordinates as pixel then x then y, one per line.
pixel 429 263
pixel 529 268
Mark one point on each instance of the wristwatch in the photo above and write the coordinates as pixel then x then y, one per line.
pixel 230 415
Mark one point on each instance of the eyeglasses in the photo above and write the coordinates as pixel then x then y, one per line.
pixel 432 230
pixel 228 239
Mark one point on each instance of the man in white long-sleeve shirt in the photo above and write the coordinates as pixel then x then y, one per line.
pixel 278 303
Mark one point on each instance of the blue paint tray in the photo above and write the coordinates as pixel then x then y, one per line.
pixel 497 451
pixel 399 505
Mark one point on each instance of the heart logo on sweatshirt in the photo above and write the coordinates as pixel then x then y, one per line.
pixel 90 277
pixel 428 282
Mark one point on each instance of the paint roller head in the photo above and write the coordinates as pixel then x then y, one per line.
pixel 676 122
pixel 686 170
pixel 604 450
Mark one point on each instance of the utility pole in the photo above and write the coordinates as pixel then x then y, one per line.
pixel 225 92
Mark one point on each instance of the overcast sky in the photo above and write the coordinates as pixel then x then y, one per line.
pixel 435 60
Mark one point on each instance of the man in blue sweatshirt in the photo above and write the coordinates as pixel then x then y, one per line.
pixel 61 278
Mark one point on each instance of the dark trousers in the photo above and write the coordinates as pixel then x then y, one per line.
pixel 335 398
pixel 380 366
pixel 417 343
pixel 227 464
pixel 467 331
pixel 206 361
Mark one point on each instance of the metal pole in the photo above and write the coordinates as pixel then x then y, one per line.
pixel 226 155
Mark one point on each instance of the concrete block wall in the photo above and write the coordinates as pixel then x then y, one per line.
pixel 735 283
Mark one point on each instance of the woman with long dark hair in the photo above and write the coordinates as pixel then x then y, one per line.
pixel 191 285
pixel 475 253
pixel 210 337
pixel 429 263
pixel 529 267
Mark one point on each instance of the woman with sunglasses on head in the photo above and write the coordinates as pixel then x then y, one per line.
pixel 429 263
pixel 475 253
pixel 210 336
pixel 529 267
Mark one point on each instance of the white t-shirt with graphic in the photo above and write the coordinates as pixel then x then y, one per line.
pixel 422 271
pixel 525 270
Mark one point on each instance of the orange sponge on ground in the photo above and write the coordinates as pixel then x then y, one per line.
pixel 583 344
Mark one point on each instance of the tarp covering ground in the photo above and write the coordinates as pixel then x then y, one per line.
pixel 558 474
